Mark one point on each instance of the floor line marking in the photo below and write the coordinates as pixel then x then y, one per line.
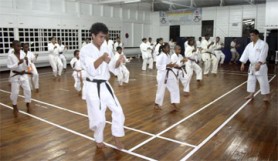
pixel 77 133
pixel 84 115
pixel 189 116
pixel 220 127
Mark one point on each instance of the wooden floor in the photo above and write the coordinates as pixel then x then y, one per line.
pixel 214 123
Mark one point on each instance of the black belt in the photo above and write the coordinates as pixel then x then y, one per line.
pixel 182 68
pixel 98 82
pixel 167 74
pixel 20 73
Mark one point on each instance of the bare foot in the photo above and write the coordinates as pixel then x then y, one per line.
pixel 59 79
pixel 54 78
pixel 28 107
pixel 101 145
pixel 250 96
pixel 175 108
pixel 156 107
pixel 266 98
pixel 186 94
pixel 118 143
pixel 37 90
pixel 15 110
pixel 206 75
pixel 80 93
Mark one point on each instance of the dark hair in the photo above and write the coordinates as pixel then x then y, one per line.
pixel 255 31
pixel 191 41
pixel 51 38
pixel 163 47
pixel 98 27
pixel 207 35
pixel 75 52
pixel 25 44
pixel 144 39
pixel 16 42
pixel 119 48
pixel 177 46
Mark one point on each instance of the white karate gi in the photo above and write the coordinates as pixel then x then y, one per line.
pixel 191 65
pixel 19 80
pixel 96 104
pixel 122 72
pixel 235 54
pixel 255 54
pixel 79 75
pixel 218 52
pixel 146 55
pixel 171 84
pixel 210 60
pixel 62 56
pixel 54 59
pixel 156 51
pixel 116 44
pixel 34 78
pixel 110 44
pixel 181 73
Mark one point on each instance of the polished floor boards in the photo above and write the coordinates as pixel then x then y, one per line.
pixel 214 122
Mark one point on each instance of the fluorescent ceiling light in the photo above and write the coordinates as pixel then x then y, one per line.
pixel 132 1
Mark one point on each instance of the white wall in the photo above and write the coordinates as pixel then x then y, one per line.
pixel 75 15
pixel 271 13
pixel 227 21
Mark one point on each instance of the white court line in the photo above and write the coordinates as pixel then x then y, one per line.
pixel 220 127
pixel 84 115
pixel 186 118
pixel 62 89
pixel 77 133
pixel 151 75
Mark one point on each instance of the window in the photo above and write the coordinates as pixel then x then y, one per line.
pixel 6 39
pixel 247 25
pixel 30 36
pixel 113 34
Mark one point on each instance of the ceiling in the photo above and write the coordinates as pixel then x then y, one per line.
pixel 166 5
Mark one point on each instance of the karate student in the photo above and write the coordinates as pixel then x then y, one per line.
pixel 180 70
pixel 99 93
pixel 54 59
pixel 117 43
pixel 218 46
pixel 256 52
pixel 146 54
pixel 34 78
pixel 172 46
pixel 18 63
pixel 159 42
pixel 191 53
pixel 79 74
pixel 122 72
pixel 235 54
pixel 208 57
pixel 61 54
pixel 199 48
pixel 110 44
pixel 166 78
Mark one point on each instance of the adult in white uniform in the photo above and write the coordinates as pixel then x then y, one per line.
pixel 235 54
pixel 166 78
pixel 34 78
pixel 191 53
pixel 122 72
pixel 199 48
pixel 159 42
pixel 256 52
pixel 146 54
pixel 218 46
pixel 180 71
pixel 151 49
pixel 18 63
pixel 79 74
pixel 208 57
pixel 54 59
pixel 117 43
pixel 62 56
pixel 110 44
pixel 172 46
pixel 95 59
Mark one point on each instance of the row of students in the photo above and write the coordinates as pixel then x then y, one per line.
pixel 57 59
